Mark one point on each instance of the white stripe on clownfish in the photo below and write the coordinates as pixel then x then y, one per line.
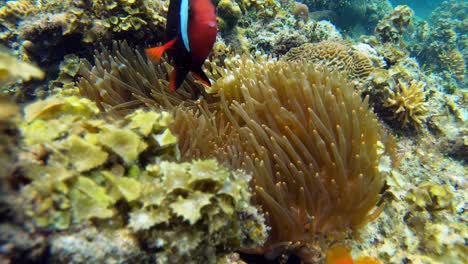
pixel 184 17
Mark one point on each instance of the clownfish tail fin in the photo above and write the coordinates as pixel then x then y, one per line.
pixel 155 54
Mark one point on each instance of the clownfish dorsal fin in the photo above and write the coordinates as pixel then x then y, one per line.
pixel 155 54
pixel 184 18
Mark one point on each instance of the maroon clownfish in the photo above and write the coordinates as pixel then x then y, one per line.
pixel 191 33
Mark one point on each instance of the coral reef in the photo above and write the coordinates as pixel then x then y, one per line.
pixel 454 62
pixel 49 30
pixel 281 157
pixel 84 170
pixel 289 27
pixel 8 139
pixel 276 36
pixel 322 31
pixel 392 26
pixel 356 17
pixel 425 204
pixel 408 103
pixel 230 13
pixel 301 11
pixel 12 69
pixel 335 55
pixel 242 134
pixel 400 95
pixel 441 43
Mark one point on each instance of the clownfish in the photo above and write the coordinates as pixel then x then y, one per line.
pixel 191 33
pixel 342 255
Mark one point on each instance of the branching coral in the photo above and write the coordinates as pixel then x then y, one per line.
pixel 408 103
pixel 335 55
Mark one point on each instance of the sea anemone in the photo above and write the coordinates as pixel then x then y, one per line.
pixel 122 79
pixel 312 145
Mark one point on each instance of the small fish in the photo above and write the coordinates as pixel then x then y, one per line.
pixel 339 255
pixel 191 33
pixel 342 255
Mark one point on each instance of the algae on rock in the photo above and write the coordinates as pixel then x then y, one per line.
pixel 87 170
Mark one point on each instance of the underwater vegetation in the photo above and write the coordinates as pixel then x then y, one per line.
pixel 113 175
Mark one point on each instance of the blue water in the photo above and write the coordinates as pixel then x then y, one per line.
pixel 422 8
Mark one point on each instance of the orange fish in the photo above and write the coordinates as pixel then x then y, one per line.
pixel 342 255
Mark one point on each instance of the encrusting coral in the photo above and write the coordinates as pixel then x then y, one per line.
pixel 84 169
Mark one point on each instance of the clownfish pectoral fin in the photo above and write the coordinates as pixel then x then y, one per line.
pixel 201 76
pixel 177 77
pixel 155 54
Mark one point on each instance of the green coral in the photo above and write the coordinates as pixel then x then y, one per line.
pixel 85 169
